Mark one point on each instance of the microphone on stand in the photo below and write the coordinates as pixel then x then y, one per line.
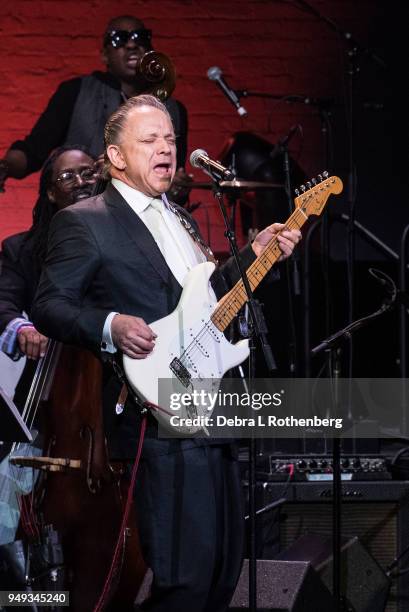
pixel 284 140
pixel 200 159
pixel 215 74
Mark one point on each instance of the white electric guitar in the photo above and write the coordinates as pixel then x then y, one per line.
pixel 191 351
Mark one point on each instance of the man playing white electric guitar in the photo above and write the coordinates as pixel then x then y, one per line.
pixel 117 263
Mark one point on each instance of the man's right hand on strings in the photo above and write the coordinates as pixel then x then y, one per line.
pixel 132 336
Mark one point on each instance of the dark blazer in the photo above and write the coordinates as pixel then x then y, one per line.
pixel 18 278
pixel 102 258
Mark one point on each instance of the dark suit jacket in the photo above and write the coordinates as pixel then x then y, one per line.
pixel 18 280
pixel 19 277
pixel 102 258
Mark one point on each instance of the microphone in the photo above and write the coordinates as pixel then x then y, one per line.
pixel 200 159
pixel 284 140
pixel 215 74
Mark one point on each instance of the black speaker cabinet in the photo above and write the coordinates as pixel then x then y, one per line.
pixel 283 586
pixel 364 584
pixel 376 512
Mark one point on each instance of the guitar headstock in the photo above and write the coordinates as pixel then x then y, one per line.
pixel 312 198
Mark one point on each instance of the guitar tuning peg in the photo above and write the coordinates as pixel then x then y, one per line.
pixel 302 187
pixel 325 174
pixel 314 181
pixel 297 192
pixel 309 184
pixel 320 177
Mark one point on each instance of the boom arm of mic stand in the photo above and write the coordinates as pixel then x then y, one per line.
pixel 370 236
pixel 334 340
pixel 325 103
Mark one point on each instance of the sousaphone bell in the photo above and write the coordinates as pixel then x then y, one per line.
pixel 158 72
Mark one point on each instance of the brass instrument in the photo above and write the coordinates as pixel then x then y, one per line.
pixel 157 70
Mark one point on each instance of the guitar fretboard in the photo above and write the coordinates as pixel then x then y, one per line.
pixel 231 303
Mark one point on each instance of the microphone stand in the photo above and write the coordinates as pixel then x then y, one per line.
pixel 321 103
pixel 332 345
pixel 292 268
pixel 325 115
pixel 257 328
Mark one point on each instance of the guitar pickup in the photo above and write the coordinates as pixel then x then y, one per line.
pixel 180 371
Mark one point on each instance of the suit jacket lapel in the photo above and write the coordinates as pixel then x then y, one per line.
pixel 139 234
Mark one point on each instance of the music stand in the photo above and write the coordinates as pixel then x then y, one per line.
pixel 12 426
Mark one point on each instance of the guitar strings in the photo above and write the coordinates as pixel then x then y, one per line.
pixel 227 301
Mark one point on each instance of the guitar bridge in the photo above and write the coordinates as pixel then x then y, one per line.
pixel 180 371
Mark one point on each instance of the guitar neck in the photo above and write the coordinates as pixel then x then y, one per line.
pixel 234 300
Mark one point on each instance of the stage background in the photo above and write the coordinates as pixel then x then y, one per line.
pixel 269 46
pixel 275 47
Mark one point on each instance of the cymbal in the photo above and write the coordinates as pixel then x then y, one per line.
pixel 249 185
pixel 234 184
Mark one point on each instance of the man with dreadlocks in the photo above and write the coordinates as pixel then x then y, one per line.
pixel 67 177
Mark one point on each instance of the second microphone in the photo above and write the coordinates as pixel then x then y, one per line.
pixel 200 159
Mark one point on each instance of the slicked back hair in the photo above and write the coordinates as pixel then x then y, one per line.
pixel 115 125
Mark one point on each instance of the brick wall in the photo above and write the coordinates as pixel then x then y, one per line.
pixel 268 46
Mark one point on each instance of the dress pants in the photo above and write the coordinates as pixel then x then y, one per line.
pixel 190 517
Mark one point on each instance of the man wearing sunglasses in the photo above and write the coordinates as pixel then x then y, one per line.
pixel 79 109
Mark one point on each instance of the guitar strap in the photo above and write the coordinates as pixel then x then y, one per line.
pixel 205 249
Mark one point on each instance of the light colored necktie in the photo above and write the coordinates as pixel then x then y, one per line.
pixel 166 241
pixel 153 217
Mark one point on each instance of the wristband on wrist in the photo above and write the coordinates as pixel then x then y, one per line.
pixel 26 325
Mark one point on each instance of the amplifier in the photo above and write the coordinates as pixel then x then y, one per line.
pixel 376 512
pixel 319 467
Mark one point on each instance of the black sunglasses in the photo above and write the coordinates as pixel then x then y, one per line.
pixel 119 38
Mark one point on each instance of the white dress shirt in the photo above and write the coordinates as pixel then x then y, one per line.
pixel 178 248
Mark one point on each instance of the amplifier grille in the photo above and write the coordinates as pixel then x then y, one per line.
pixel 376 525
pixel 375 512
